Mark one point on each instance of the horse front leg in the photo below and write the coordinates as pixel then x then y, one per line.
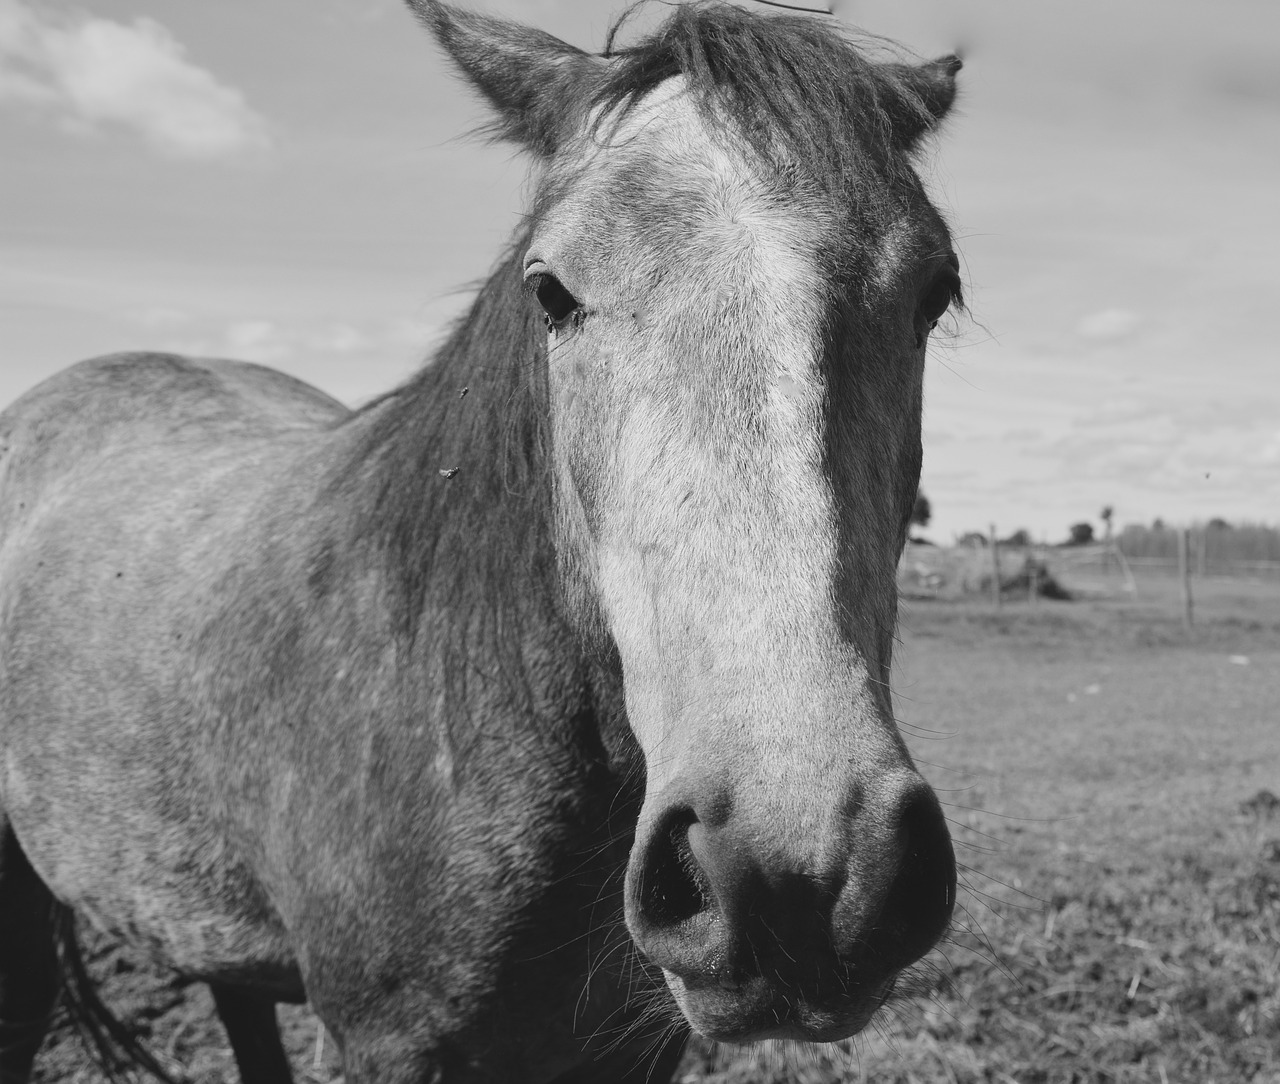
pixel 250 1022
pixel 29 980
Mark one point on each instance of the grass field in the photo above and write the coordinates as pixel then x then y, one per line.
pixel 1107 781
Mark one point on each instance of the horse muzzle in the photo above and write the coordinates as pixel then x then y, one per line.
pixel 764 933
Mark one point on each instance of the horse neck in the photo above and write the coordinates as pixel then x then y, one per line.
pixel 446 479
pixel 467 559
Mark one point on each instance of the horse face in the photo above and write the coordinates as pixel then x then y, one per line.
pixel 735 447
pixel 700 529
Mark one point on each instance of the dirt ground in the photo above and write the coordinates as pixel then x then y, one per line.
pixel 1106 778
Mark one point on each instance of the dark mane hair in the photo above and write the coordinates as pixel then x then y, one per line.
pixel 783 84
pixel 447 477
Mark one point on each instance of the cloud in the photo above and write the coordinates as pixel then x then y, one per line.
pixel 266 341
pixel 1108 324
pixel 1170 452
pixel 1183 449
pixel 93 73
pixel 270 342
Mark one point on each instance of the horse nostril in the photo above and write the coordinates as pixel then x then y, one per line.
pixel 922 896
pixel 673 887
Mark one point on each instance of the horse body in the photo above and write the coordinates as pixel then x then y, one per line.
pixel 107 630
pixel 206 645
pixel 402 711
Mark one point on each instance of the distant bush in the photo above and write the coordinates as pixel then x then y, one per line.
pixel 1081 534
pixel 921 510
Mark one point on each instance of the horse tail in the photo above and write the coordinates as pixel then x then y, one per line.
pixel 111 1044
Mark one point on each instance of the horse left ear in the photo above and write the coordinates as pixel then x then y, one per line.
pixel 528 76
pixel 930 92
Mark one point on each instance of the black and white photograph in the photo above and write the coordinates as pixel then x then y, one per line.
pixel 613 542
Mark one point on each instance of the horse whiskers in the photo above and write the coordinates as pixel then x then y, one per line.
pixel 961 826
pixel 1035 902
pixel 653 1011
pixel 1001 816
pixel 925 731
pixel 978 847
pixel 673 1032
pixel 991 955
pixel 591 862
pixel 594 969
pixel 597 966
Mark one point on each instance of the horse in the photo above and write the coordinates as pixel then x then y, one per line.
pixel 536 713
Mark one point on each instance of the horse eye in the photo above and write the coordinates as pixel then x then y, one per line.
pixel 555 300
pixel 944 289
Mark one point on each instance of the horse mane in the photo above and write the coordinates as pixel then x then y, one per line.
pixel 832 105
pixel 446 484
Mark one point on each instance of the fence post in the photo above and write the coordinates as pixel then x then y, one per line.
pixel 1202 551
pixel 1130 584
pixel 1033 575
pixel 995 567
pixel 1184 574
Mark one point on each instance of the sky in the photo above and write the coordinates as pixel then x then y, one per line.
pixel 292 182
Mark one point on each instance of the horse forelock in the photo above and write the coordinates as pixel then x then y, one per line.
pixel 840 107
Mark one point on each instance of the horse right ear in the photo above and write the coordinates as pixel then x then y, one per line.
pixel 531 78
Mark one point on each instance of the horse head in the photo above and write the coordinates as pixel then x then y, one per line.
pixel 738 270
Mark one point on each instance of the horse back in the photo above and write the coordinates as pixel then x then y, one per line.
pixel 109 404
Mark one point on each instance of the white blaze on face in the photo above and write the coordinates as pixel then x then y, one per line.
pixel 714 540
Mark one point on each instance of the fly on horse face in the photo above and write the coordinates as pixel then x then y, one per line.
pixel 563 666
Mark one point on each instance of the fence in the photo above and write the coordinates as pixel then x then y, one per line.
pixel 1200 566
pixel 1094 570
pixel 1211 543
